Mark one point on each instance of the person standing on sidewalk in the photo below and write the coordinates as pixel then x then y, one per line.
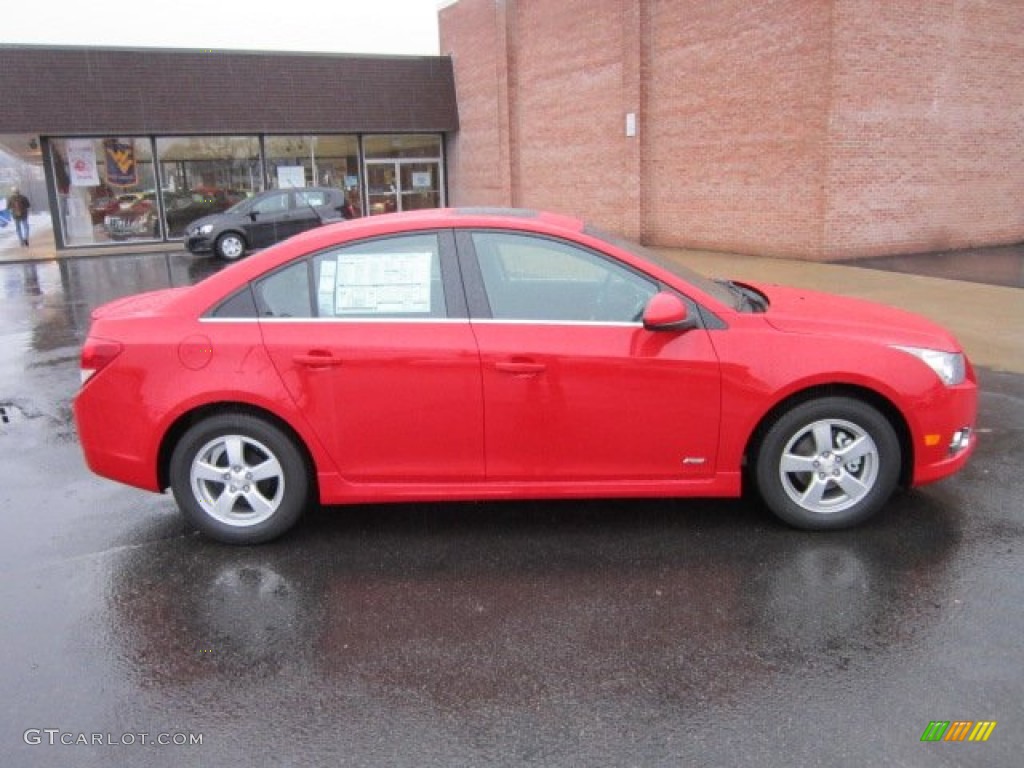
pixel 18 205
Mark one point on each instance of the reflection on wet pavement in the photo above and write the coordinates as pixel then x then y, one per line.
pixel 59 295
pixel 45 308
pixel 489 605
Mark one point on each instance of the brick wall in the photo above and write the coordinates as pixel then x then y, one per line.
pixel 927 140
pixel 479 168
pixel 554 102
pixel 736 117
pixel 570 113
pixel 800 128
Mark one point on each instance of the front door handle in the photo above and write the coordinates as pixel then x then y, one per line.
pixel 317 360
pixel 520 368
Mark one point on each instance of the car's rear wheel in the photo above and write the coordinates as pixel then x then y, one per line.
pixel 828 463
pixel 239 479
pixel 230 246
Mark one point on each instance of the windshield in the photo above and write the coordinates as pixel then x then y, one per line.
pixel 718 290
pixel 241 207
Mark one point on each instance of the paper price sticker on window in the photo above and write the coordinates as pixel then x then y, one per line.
pixel 393 283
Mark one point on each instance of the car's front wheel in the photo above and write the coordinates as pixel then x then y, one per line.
pixel 230 246
pixel 828 463
pixel 239 479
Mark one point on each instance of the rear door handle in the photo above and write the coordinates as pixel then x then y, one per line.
pixel 317 360
pixel 520 369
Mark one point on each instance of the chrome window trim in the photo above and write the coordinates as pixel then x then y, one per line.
pixel 418 320
pixel 333 320
pixel 588 323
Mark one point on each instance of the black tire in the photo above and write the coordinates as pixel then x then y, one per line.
pixel 828 463
pixel 230 246
pixel 239 479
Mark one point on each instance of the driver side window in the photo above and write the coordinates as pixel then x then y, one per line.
pixel 536 278
pixel 272 204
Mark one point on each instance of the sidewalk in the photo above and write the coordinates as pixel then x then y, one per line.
pixel 42 247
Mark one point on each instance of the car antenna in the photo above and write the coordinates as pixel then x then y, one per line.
pixel 312 207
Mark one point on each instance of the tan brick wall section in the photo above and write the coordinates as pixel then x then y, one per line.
pixel 801 128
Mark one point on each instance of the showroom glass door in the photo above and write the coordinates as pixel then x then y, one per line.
pixel 402 185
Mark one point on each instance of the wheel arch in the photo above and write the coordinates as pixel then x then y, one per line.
pixel 868 396
pixel 188 419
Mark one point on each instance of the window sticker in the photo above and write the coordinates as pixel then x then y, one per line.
pixel 325 293
pixel 361 283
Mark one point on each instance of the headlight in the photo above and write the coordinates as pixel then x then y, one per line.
pixel 948 366
pixel 206 229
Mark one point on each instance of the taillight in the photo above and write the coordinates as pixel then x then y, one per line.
pixel 96 355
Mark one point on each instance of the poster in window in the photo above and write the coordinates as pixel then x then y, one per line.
pixel 121 168
pixel 82 163
pixel 291 176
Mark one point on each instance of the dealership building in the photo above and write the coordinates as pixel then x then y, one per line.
pixel 808 129
pixel 172 133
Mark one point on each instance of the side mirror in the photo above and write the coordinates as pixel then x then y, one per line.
pixel 667 312
pixel 253 215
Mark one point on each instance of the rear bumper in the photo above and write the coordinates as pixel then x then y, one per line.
pixel 116 445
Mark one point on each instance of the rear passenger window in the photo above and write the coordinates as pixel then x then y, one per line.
pixel 394 277
pixel 285 293
pixel 240 305
pixel 306 198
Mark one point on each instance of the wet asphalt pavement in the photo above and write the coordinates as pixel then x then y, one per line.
pixel 550 634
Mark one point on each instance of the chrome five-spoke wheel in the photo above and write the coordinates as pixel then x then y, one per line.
pixel 828 463
pixel 829 466
pixel 239 478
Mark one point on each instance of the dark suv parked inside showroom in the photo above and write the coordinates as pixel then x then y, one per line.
pixel 263 220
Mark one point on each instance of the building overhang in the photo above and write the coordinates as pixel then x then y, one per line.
pixel 85 91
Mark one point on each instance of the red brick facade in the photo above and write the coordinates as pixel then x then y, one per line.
pixel 812 129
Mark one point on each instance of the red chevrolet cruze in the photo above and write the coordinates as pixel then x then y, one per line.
pixel 479 354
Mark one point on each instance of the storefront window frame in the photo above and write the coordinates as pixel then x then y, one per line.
pixel 51 156
pixel 67 206
pixel 398 160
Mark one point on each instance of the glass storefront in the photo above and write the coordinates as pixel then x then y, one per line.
pixel 315 161
pixel 403 172
pixel 206 174
pixel 106 189
pixel 148 189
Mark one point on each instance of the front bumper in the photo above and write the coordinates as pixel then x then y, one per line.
pixel 946 436
pixel 199 244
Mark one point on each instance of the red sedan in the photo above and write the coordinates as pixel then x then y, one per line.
pixel 477 354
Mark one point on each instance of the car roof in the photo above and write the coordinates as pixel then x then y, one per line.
pixel 485 216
